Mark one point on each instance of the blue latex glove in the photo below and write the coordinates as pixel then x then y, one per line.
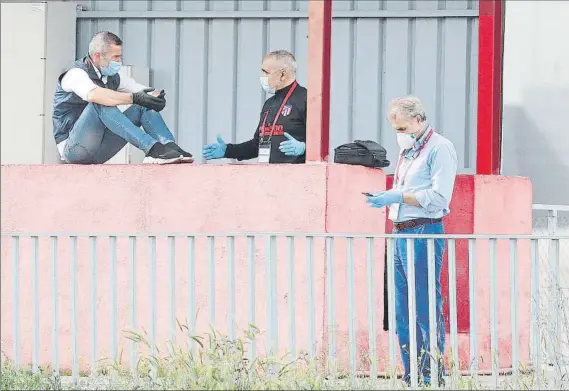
pixel 383 198
pixel 215 151
pixel 292 147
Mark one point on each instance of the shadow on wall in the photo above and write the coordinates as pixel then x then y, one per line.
pixel 535 137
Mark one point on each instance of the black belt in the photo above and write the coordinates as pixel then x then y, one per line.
pixel 415 223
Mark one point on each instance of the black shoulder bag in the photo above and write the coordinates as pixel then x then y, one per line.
pixel 362 153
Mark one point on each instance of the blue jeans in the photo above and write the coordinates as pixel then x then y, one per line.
pixel 102 131
pixel 422 295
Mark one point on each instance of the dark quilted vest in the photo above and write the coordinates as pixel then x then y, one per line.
pixel 67 106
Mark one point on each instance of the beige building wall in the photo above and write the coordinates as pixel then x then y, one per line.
pixel 30 65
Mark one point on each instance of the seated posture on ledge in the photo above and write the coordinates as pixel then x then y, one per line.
pixel 88 126
pixel 281 134
pixel 422 190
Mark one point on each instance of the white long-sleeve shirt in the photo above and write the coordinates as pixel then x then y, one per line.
pixel 430 176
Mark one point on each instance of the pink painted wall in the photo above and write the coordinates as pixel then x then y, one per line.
pixel 228 198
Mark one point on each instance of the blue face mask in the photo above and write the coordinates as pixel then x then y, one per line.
pixel 112 69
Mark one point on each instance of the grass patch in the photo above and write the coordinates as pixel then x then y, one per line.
pixel 215 362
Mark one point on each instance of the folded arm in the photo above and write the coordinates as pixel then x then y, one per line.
pixel 77 81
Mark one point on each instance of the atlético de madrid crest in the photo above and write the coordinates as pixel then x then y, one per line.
pixel 286 110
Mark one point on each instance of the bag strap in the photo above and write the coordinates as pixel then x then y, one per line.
pixel 343 146
pixel 371 146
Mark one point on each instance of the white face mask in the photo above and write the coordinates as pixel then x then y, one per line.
pixel 405 140
pixel 266 86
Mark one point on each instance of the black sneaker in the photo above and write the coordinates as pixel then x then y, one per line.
pixel 162 154
pixel 188 157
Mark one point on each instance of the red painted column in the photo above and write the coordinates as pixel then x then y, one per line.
pixel 490 58
pixel 318 110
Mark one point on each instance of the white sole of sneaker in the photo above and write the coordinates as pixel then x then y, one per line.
pixel 187 160
pixel 152 160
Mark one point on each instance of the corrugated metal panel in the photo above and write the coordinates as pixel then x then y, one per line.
pixel 381 49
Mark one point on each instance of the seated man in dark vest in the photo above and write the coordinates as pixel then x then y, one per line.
pixel 88 126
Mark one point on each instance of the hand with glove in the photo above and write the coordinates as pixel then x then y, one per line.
pixel 215 151
pixel 161 94
pixel 142 98
pixel 292 147
pixel 385 198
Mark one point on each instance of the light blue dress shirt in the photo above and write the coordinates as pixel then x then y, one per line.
pixel 430 175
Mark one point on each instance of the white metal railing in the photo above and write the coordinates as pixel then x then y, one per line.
pixel 553 215
pixel 230 252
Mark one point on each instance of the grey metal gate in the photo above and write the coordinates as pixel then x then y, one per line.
pixel 207 54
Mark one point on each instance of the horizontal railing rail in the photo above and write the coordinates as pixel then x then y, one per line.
pixel 283 234
pixel 320 296
pixel 559 208
pixel 367 14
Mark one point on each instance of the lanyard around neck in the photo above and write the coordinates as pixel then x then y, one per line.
pixel 402 155
pixel 285 100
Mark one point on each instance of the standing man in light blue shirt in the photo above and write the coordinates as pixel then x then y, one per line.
pixel 422 190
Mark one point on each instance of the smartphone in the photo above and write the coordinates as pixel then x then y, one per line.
pixel 368 194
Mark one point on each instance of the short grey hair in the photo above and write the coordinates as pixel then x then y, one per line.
pixel 286 58
pixel 408 107
pixel 101 41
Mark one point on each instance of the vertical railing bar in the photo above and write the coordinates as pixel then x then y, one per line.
pixel 494 357
pixel 514 307
pixel 557 339
pixel 211 296
pixel 331 303
pixel 274 293
pixel 55 291
pixel 433 321
pixel 551 231
pixel 192 290
pixel 311 305
pixel 552 222
pixel 472 294
pixel 536 324
pixel 271 283
pixel 172 245
pixel 371 308
pixel 390 249
pixel 114 327
pixel 36 311
pixel 153 302
pixel 252 293
pixel 232 307
pixel 412 305
pixel 453 303
pixel 351 305
pixel 133 302
pixel 269 295
pixel 94 317
pixel 291 298
pixel 16 283
pixel 74 344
